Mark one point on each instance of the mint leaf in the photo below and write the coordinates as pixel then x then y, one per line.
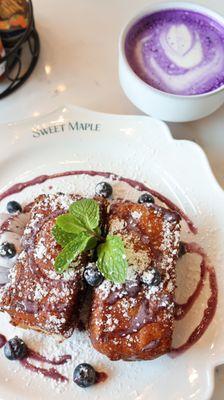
pixel 86 212
pixel 61 236
pixel 112 260
pixel 71 251
pixel 69 224
pixel 92 243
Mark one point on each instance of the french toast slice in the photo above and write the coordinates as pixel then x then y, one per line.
pixel 37 297
pixel 134 321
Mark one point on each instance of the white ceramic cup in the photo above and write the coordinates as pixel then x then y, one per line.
pixel 159 104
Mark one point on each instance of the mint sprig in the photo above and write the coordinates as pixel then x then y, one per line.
pixel 71 251
pixel 69 224
pixel 79 231
pixel 61 236
pixel 86 212
pixel 112 261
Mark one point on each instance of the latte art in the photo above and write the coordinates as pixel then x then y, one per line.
pixel 178 51
pixel 181 46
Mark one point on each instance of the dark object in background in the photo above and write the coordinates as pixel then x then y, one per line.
pixel 19 44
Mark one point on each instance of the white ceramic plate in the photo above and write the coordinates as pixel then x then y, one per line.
pixel 140 148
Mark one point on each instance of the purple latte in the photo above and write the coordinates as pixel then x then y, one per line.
pixel 177 51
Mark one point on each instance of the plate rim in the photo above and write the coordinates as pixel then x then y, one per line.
pixel 73 108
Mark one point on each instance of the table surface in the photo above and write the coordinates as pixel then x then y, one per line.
pixel 78 65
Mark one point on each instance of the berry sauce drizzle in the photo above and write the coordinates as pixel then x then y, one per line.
pixel 181 309
pixel 101 377
pixel 49 373
pixel 38 357
pixel 3 341
pixel 209 312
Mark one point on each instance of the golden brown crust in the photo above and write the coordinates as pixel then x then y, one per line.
pixel 135 320
pixel 37 297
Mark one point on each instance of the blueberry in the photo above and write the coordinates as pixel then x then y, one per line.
pixel 152 277
pixel 146 198
pixel 15 349
pixel 182 250
pixel 7 250
pixel 13 207
pixel 93 276
pixel 84 375
pixel 157 278
pixel 104 189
